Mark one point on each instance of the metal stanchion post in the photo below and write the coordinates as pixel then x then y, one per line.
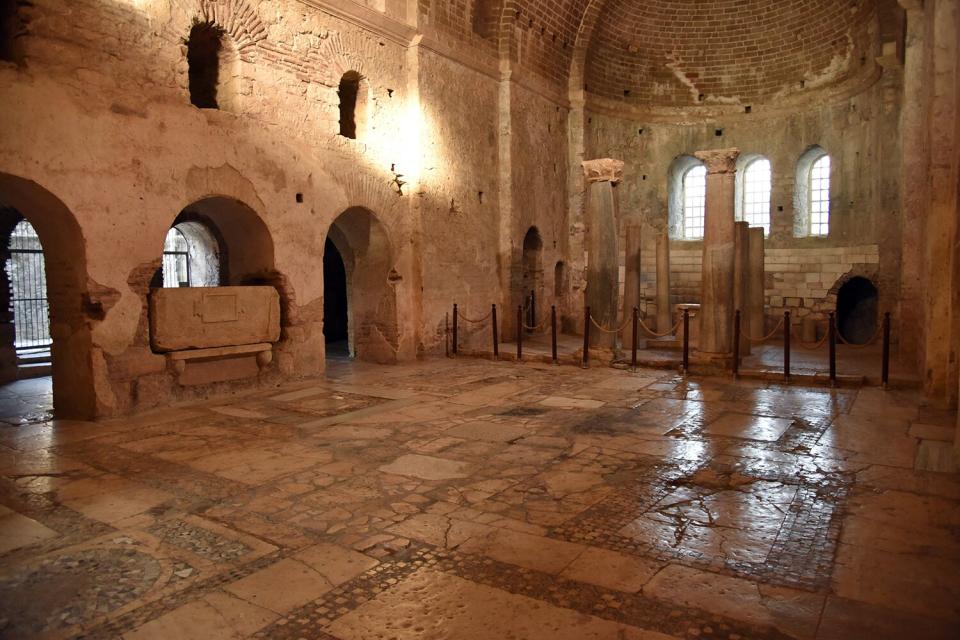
pixel 586 336
pixel 885 371
pixel 446 334
pixel 519 333
pixel 496 345
pixel 736 343
pixel 786 346
pixel 833 349
pixel 455 327
pixel 553 332
pixel 533 309
pixel 686 341
pixel 636 318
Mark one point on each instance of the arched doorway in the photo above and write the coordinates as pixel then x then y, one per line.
pixel 857 310
pixel 335 320
pixel 360 241
pixel 64 272
pixel 531 276
pixel 28 301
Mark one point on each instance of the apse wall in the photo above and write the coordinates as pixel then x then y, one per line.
pixel 860 132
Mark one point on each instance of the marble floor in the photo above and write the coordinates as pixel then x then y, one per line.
pixel 471 499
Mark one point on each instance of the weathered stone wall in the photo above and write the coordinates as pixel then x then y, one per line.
pixel 865 220
pixel 99 115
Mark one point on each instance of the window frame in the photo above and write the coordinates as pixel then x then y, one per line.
pixel 744 192
pixel 686 206
pixel 819 206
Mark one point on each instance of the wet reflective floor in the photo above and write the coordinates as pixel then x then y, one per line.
pixel 475 499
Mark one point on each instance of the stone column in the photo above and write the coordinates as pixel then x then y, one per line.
pixel 756 274
pixel 716 301
pixel 664 312
pixel 603 256
pixel 631 278
pixel 741 281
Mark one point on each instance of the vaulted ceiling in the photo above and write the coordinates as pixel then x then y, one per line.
pixel 679 52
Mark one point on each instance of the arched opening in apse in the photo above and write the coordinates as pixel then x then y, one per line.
pixel 857 304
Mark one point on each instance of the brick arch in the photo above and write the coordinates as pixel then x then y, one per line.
pixel 238 20
pixel 867 272
pixel 585 34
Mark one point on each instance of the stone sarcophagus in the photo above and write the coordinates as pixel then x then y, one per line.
pixel 219 329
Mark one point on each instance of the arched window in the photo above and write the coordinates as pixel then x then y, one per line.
pixel 811 200
pixel 191 256
pixel 349 93
pixel 11 30
pixel 754 201
pixel 214 68
pixel 819 198
pixel 203 59
pixel 694 202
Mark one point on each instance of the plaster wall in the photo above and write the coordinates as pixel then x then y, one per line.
pixel 99 115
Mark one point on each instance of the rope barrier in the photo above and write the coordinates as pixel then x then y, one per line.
pixel 483 319
pixel 671 331
pixel 764 338
pixel 869 342
pixel 815 346
pixel 542 324
pixel 605 330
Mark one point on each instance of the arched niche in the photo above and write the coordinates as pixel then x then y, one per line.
pixel 243 242
pixel 214 67
pixel 857 309
pixel 364 247
pixel 71 310
pixel 531 276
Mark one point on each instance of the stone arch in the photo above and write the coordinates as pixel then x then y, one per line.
pixel 364 245
pixel 246 254
pixel 245 242
pixel 71 308
pixel 858 309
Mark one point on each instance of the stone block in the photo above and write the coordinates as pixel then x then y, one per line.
pixel 208 317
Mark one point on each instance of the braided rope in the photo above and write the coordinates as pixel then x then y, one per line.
pixel 766 337
pixel 483 319
pixel 605 330
pixel 542 324
pixel 869 342
pixel 671 331
pixel 815 346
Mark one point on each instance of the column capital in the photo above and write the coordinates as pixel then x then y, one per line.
pixel 603 170
pixel 911 5
pixel 719 160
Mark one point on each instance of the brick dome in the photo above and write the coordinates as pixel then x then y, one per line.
pixel 689 52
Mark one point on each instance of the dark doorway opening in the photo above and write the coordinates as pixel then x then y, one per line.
pixel 532 276
pixel 857 310
pixel 335 319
